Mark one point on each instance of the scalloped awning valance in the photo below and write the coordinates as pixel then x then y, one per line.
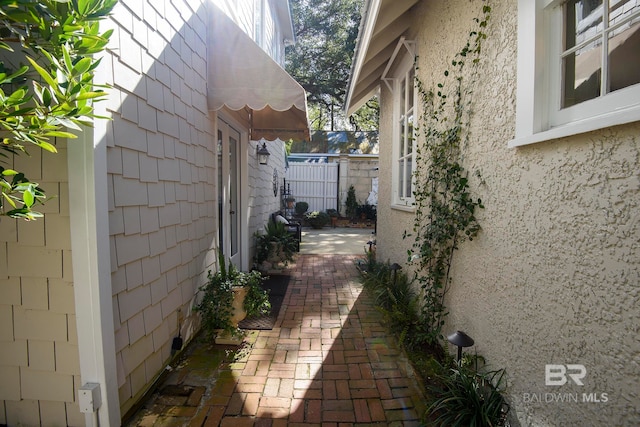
pixel 241 75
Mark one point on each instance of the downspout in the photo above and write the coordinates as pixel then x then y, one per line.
pixel 91 260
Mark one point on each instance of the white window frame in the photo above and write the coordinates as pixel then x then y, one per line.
pixel 538 113
pixel 404 72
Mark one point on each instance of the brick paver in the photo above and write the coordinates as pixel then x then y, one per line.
pixel 328 361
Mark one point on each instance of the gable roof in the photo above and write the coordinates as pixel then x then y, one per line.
pixel 383 23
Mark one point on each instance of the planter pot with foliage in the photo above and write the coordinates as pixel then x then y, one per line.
pixel 228 297
pixel 317 219
pixel 275 246
pixel 333 215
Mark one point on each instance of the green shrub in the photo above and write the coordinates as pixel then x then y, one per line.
pixel 301 208
pixel 466 397
pixel 215 306
pixel 317 219
pixel 351 204
pixel 333 213
pixel 276 241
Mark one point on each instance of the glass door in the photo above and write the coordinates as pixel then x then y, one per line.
pixel 229 192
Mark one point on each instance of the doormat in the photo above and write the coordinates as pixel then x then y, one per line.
pixel 277 286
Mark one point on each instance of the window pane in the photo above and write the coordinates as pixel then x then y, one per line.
pixel 401 178
pixel 582 71
pixel 408 174
pixel 624 55
pixel 583 20
pixel 403 148
pixel 409 130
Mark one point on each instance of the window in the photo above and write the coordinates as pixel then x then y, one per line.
pixel 404 140
pixel 586 55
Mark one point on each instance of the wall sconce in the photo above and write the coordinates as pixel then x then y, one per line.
pixel 460 339
pixel 262 153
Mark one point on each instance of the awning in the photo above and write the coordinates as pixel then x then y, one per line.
pixel 383 23
pixel 241 75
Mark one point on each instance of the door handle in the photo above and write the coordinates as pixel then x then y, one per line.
pixel 232 212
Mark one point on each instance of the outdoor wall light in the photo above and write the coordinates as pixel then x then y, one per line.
pixel 262 153
pixel 394 268
pixel 371 243
pixel 460 340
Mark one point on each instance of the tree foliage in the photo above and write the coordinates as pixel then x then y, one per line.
pixel 326 33
pixel 47 50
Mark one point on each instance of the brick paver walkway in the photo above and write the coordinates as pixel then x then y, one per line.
pixel 327 362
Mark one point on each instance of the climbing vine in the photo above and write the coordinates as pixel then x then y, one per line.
pixel 445 209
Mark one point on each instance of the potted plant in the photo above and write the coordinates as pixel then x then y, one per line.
pixel 289 200
pixel 333 214
pixel 276 245
pixel 367 212
pixel 228 297
pixel 301 208
pixel 317 219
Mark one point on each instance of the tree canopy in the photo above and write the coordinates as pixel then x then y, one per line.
pixel 326 33
pixel 47 50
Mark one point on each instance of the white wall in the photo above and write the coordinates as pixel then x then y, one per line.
pixel 161 172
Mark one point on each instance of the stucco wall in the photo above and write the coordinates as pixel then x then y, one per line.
pixel 161 166
pixel 553 276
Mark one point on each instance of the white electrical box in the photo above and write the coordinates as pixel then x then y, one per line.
pixel 89 398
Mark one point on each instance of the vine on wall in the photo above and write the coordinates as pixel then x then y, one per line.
pixel 445 209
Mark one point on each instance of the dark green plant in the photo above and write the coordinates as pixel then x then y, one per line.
pixel 445 208
pixel 466 397
pixel 51 94
pixel 215 305
pixel 333 213
pixel 395 296
pixel 368 211
pixel 301 208
pixel 351 204
pixel 317 219
pixel 275 241
pixel 256 302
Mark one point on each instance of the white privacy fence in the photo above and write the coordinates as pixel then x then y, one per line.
pixel 314 183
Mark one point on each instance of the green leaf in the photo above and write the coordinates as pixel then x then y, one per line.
pixel 28 198
pixel 60 134
pixel 51 148
pixel 82 66
pixel 9 200
pixel 9 172
pixel 45 75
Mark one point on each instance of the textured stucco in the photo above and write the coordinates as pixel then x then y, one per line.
pixel 553 276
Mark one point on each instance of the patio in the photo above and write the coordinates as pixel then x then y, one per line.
pixel 328 360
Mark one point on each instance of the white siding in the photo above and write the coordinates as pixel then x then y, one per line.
pixel 162 211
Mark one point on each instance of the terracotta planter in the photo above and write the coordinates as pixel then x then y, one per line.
pixel 239 293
